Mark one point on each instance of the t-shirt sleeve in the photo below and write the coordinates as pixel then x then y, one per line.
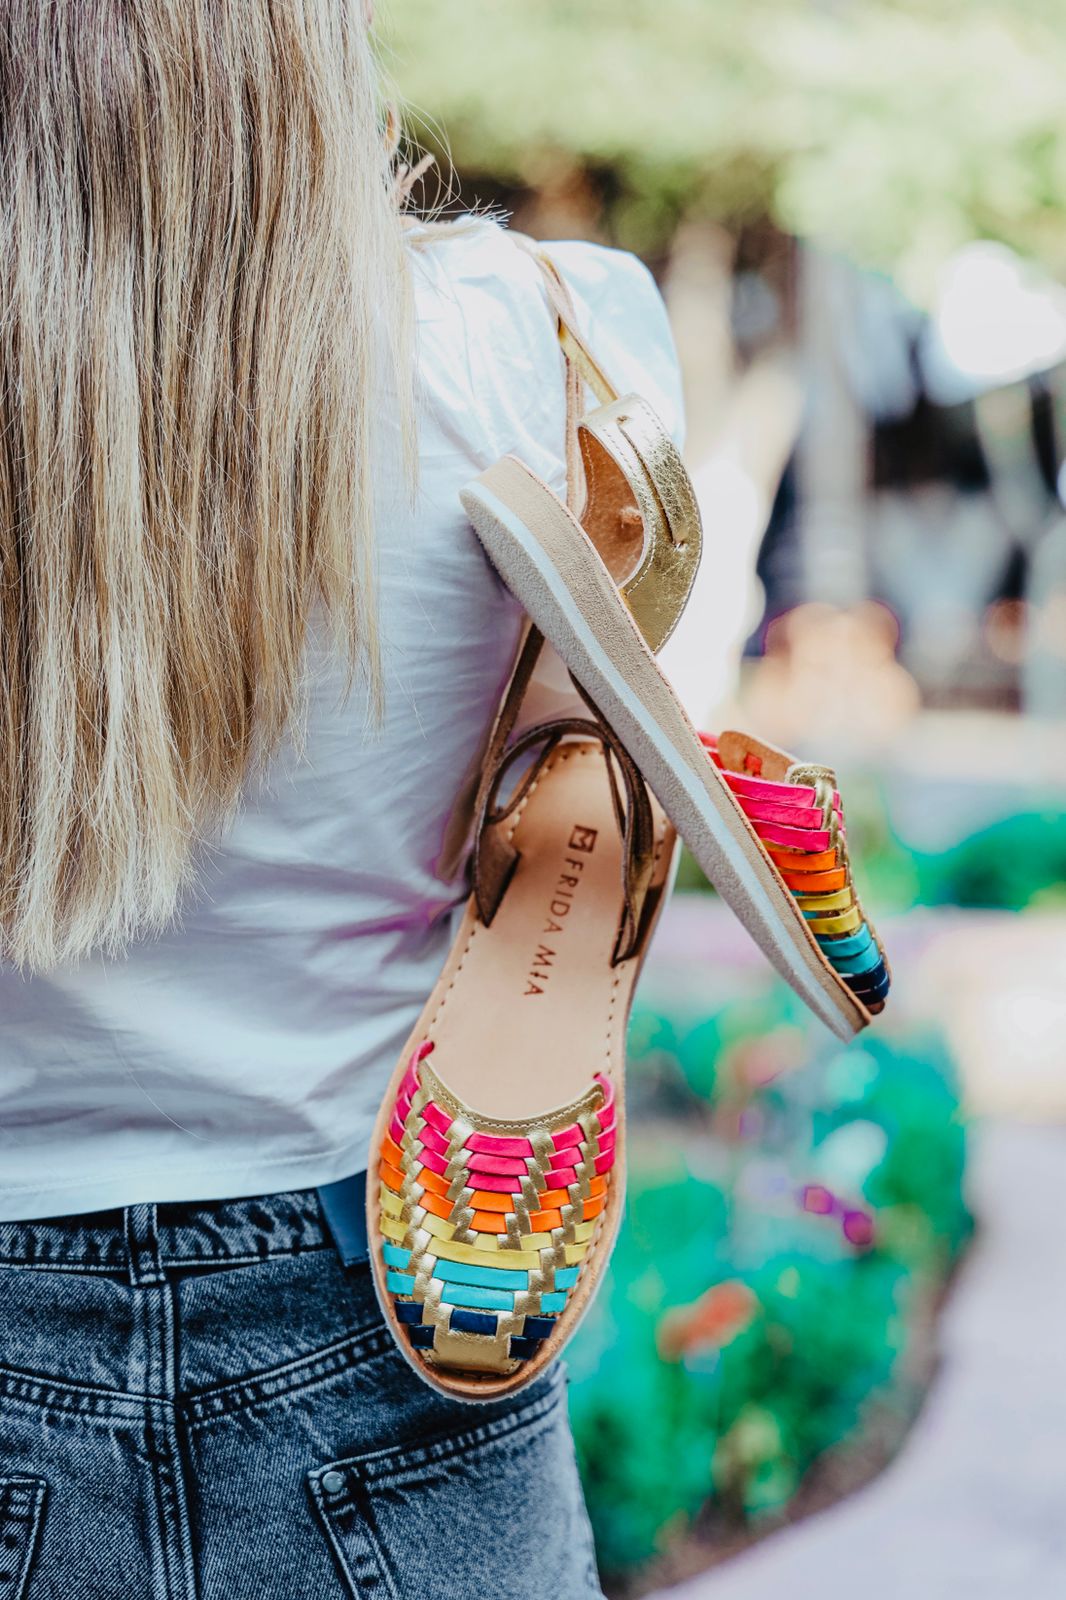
pixel 492 367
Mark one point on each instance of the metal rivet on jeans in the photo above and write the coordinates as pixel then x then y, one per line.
pixel 333 1482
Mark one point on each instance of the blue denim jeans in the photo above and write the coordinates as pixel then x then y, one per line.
pixel 201 1402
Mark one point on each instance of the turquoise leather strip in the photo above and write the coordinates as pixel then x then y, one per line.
pixel 485 1277
pixel 553 1302
pixel 566 1277
pixel 395 1257
pixel 861 963
pixel 851 945
pixel 462 1294
pixel 400 1282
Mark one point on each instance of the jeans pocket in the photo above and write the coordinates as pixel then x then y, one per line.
pixel 21 1511
pixel 496 1508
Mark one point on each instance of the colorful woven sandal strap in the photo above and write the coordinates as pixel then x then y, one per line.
pixel 486 1224
pixel 796 812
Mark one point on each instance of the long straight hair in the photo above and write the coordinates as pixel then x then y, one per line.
pixel 202 281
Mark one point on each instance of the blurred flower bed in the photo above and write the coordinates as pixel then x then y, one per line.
pixel 794 1210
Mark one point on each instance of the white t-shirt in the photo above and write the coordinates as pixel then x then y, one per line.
pixel 247 1049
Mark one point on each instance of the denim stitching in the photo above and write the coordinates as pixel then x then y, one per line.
pixel 142 1246
pixel 369 1577
pixel 382 1466
pixel 73 1399
pixel 216 1233
pixel 290 1378
pixel 22 1502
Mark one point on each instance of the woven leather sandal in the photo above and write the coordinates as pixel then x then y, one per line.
pixel 796 812
pixel 499 1148
pixel 595 585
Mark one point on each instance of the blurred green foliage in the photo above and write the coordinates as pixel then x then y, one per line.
pixel 1016 863
pixel 894 129
pixel 723 1429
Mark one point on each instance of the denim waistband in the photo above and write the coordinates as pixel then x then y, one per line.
pixel 144 1240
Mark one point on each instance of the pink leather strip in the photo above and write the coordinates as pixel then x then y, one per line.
pixel 799 794
pixel 434 1161
pixel 503 1165
pixel 792 816
pixel 396 1131
pixel 802 794
pixel 798 838
pixel 560 1177
pixel 495 1182
pixel 436 1117
pixel 566 1137
pixel 433 1140
pixel 607 1088
pixel 494 1146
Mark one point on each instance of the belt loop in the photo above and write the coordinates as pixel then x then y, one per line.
pixel 142 1245
pixel 344 1208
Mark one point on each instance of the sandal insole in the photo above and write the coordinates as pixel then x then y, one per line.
pixel 531 1007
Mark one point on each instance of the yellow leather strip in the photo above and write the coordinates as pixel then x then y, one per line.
pixel 395 1230
pixel 485 1241
pixel 844 924
pixel 526 1242
pixel 840 900
pixel 450 1250
pixel 438 1227
pixel 392 1228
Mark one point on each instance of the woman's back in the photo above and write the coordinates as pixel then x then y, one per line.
pixel 245 1050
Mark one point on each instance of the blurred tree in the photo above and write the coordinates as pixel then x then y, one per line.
pixel 894 129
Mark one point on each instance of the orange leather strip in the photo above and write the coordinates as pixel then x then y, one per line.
pixel 392 1177
pixel 801 861
pixel 551 1199
pixel 816 882
pixel 490 1200
pixel 391 1151
pixel 594 1207
pixel 545 1221
pixel 598 1186
pixel 433 1182
pixel 487 1222
pixel 439 1207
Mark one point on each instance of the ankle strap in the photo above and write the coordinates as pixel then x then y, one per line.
pixel 496 856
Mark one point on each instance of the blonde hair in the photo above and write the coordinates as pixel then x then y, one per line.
pixel 202 282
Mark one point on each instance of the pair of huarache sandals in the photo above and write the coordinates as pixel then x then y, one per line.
pixel 497 1166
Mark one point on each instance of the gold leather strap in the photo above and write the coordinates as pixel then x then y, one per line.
pixel 626 481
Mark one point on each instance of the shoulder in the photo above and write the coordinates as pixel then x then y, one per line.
pixel 484 326
pixel 624 318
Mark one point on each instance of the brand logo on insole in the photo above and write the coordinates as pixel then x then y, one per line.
pixel 582 843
